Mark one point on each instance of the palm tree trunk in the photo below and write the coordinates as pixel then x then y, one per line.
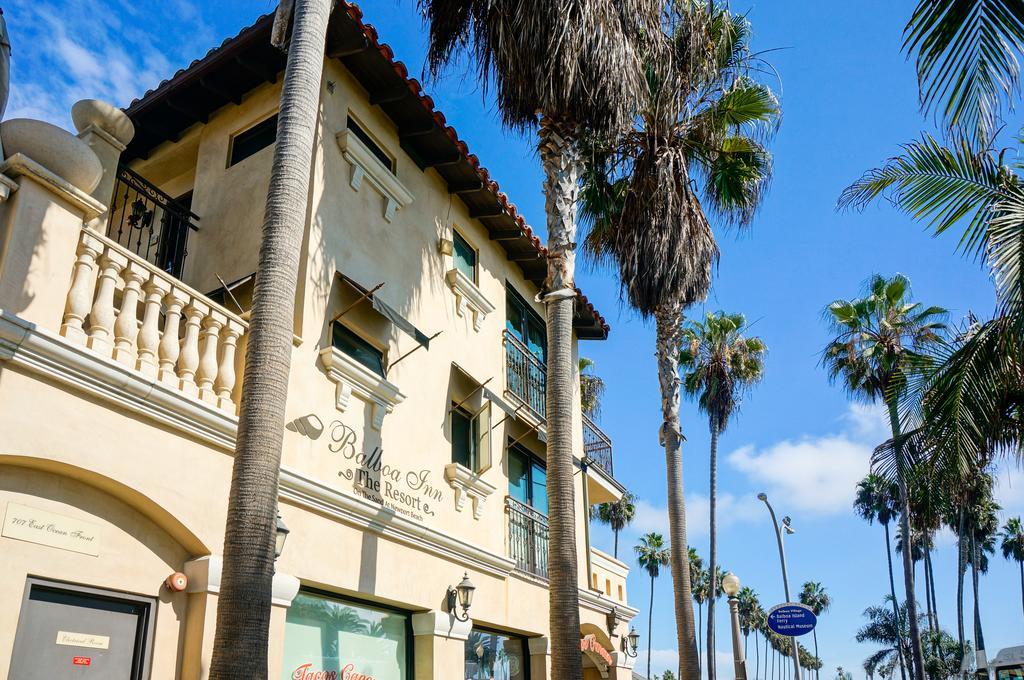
pixel 650 626
pixel 668 321
pixel 700 627
pixel 817 671
pixel 895 603
pixel 713 554
pixel 561 167
pixel 916 651
pixel 1021 586
pixel 243 607
pixel 616 552
pixel 930 571
pixel 961 562
pixel 979 638
pixel 757 657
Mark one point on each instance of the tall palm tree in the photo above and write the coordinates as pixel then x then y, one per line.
pixel 696 146
pixel 814 596
pixel 244 601
pixel 652 554
pixel 698 591
pixel 983 527
pixel 719 365
pixel 580 64
pixel 877 499
pixel 1012 546
pixel 591 388
pixel 617 515
pixel 877 339
pixel 748 605
pixel 886 628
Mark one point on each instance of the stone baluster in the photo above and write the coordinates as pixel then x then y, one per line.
pixel 127 326
pixel 102 315
pixel 170 347
pixel 207 373
pixel 188 360
pixel 149 334
pixel 226 372
pixel 83 285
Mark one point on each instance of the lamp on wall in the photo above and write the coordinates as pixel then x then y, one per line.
pixel 281 532
pixel 630 643
pixel 461 596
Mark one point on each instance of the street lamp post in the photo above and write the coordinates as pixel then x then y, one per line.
pixel 731 587
pixel 785 578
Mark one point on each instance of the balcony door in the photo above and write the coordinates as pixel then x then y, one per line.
pixel 525 324
pixel 527 511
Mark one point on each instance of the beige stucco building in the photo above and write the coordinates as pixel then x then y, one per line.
pixel 414 450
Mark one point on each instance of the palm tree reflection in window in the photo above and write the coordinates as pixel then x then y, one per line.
pixel 490 656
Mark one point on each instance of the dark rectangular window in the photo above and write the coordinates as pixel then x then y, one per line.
pixel 464 256
pixel 259 136
pixel 359 349
pixel 465 436
pixel 527 479
pixel 364 137
pixel 525 324
pixel 496 655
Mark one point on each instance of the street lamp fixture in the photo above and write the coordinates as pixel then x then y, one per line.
pixel 281 532
pixel 787 524
pixel 731 587
pixel 461 596
pixel 630 643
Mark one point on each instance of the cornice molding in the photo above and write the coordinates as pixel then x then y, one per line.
pixel 38 350
pixel 468 484
pixel 352 377
pixel 468 298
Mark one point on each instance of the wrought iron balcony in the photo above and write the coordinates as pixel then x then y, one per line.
pixel 148 222
pixel 525 375
pixel 527 537
pixel 597 445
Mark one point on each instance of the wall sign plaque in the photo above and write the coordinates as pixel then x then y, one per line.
pixel 83 640
pixel 409 492
pixel 48 528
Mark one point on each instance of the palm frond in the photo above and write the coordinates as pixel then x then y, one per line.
pixel 940 185
pixel 967 59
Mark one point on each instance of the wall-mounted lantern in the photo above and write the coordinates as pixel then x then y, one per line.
pixel 280 535
pixel 461 596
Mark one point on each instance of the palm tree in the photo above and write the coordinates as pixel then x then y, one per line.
pixel 1012 546
pixel 886 626
pixel 244 601
pixel 617 515
pixel 700 582
pixel 579 63
pixel 704 119
pixel 983 527
pixel 877 499
pixel 591 388
pixel 652 554
pixel 877 339
pixel 814 596
pixel 719 365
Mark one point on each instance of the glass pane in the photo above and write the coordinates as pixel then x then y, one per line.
pixel 464 439
pixel 518 476
pixel 540 488
pixel 359 349
pixel 537 340
pixel 464 256
pixel 514 316
pixel 256 138
pixel 490 656
pixel 323 635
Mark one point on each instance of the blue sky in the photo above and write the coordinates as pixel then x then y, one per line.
pixel 849 100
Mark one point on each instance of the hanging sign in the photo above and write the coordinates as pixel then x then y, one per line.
pixel 791 619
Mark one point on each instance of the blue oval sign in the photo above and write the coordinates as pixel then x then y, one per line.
pixel 791 619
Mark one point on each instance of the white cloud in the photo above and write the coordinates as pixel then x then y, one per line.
pixel 816 474
pixel 1010 490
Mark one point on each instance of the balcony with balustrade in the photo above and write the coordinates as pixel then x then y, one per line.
pixel 525 385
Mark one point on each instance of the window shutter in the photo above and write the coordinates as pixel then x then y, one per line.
pixel 483 418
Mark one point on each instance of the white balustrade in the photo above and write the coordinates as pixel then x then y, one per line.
pixel 183 339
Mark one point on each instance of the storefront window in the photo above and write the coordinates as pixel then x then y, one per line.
pixel 331 639
pixel 493 656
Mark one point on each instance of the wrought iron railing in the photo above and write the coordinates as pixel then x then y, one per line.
pixel 597 445
pixel 149 223
pixel 527 537
pixel 525 375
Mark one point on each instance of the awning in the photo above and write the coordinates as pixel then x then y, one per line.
pixel 388 312
pixel 487 394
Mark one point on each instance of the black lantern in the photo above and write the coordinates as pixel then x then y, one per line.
pixel 631 642
pixel 461 596
pixel 280 536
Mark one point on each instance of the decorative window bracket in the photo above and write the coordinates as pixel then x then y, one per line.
pixel 468 484
pixel 468 298
pixel 365 166
pixel 352 377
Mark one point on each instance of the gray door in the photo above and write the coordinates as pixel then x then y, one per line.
pixel 71 632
